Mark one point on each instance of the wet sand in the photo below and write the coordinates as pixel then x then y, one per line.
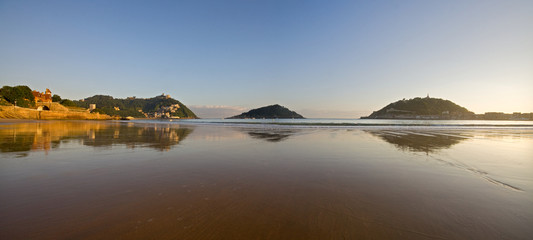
pixel 104 180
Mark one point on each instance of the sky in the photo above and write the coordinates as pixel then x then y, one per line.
pixel 340 59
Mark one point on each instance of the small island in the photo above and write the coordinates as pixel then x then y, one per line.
pixel 272 111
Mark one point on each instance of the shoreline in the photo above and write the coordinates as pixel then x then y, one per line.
pixel 356 124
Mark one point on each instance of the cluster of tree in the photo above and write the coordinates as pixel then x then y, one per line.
pixel 421 106
pixel 19 95
pixel 65 102
pixel 22 96
pixel 135 107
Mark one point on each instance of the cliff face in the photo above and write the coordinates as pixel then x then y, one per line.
pixel 272 111
pixel 422 108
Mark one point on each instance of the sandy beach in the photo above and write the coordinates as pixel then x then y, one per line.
pixel 129 180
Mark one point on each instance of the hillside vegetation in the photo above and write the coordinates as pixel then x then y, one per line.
pixel 138 107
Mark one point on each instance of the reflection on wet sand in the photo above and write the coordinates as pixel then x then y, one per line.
pixel 31 136
pixel 226 184
pixel 418 141
pixel 432 141
pixel 271 135
pixel 159 136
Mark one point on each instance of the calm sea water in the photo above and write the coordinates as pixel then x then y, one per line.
pixel 251 179
pixel 324 122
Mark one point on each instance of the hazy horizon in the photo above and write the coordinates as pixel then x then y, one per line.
pixel 340 59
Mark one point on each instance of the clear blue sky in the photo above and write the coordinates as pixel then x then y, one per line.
pixel 320 58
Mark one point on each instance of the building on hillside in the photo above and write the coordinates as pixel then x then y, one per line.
pixel 45 97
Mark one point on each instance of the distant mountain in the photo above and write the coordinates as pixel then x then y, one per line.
pixel 422 108
pixel 272 111
pixel 162 106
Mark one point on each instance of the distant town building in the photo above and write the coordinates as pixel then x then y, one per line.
pixel 495 116
pixel 92 106
pixel 45 97
pixel 517 116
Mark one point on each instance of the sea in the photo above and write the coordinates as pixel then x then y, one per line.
pixel 344 122
pixel 266 179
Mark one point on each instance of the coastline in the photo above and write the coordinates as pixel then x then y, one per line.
pixel 8 113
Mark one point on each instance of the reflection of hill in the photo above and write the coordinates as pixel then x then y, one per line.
pixel 24 137
pixel 161 137
pixel 11 141
pixel 271 135
pixel 418 141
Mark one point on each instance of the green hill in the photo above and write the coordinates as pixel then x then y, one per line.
pixel 157 107
pixel 422 108
pixel 272 111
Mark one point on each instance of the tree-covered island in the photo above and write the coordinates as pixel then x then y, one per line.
pixel 272 111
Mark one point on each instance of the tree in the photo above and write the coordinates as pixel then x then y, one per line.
pixel 67 103
pixel 22 95
pixel 56 98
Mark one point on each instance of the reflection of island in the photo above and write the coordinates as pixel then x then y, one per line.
pixel 271 135
pixel 415 141
pixel 25 137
